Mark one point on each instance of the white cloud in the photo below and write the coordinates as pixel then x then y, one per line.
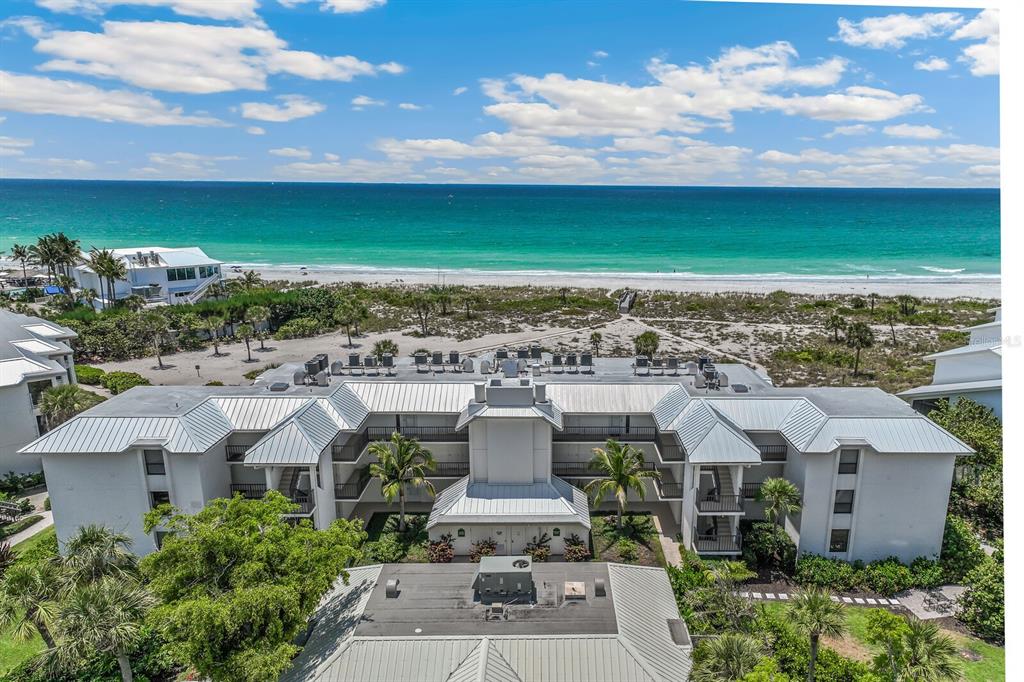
pixel 331 157
pixel 182 164
pixel 14 146
pixel 983 170
pixel 37 95
pixel 360 102
pixel 291 108
pixel 488 145
pixel 932 64
pixel 982 58
pixel 292 152
pixel 812 156
pixel 255 130
pixel 409 106
pixel 193 58
pixel 337 6
pixel 856 129
pixel 460 90
pixel 969 153
pixel 60 167
pixel 917 132
pixel 209 9
pixel 894 30
pixel 600 54
pixel 353 170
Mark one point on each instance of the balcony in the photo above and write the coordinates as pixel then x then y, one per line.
pixel 424 434
pixel 353 488
pixel 586 434
pixel 305 502
pixel 773 453
pixel 667 487
pixel 718 544
pixel 750 490
pixel 715 503
pixel 449 470
pixel 236 453
pixel 250 491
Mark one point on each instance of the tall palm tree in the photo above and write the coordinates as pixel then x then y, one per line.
pixel 257 316
pixel 859 336
pixel 780 497
pixel 623 469
pixel 155 326
pixel 813 612
pixel 28 597
pixel 61 403
pixel 401 461
pixel 346 315
pixel 213 325
pixel 835 324
pixel 929 655
pixel 23 255
pixel 105 616
pixel 362 313
pixel 730 656
pixel 68 253
pixel 95 552
pixel 246 331
pixel 595 342
pixel 45 252
pixel 251 280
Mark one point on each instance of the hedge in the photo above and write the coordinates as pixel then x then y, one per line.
pixel 89 375
pixel 19 525
pixel 119 382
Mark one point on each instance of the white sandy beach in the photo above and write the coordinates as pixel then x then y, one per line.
pixel 933 287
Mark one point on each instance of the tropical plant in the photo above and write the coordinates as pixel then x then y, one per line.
pixel 235 618
pixel 908 304
pixel 725 658
pixel 423 306
pixel 780 498
pixel 7 557
pixel 60 403
pixel 213 325
pixel 119 382
pixel 623 469
pixel 155 326
pixel 384 346
pixel 911 649
pixel 813 612
pixel 647 343
pixel 101 617
pixel 482 548
pixel 400 462
pixel 469 302
pixel 859 336
pixel 96 552
pixel 259 315
pixel 250 280
pixel 346 315
pixel 595 342
pixel 441 551
pixel 835 324
pixel 28 600
pixel 442 295
pixel 22 254
pixel 539 548
pixel 982 607
pixel 246 331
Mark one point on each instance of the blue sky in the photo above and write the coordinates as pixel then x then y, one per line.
pixel 667 93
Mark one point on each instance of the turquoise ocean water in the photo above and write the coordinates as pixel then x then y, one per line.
pixel 704 231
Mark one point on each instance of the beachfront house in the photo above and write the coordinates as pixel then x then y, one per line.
pixel 513 453
pixel 34 355
pixel 158 274
pixel 973 371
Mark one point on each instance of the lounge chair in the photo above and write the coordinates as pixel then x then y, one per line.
pixel 570 363
pixel 642 366
pixel 587 363
pixel 354 363
pixel 673 366
pixel 437 360
pixel 421 361
pixel 556 363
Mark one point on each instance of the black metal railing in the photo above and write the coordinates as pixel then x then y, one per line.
pixel 575 469
pixel 251 491
pixel 450 470
pixel 773 453
pixel 433 434
pixel 305 503
pixel 667 487
pixel 350 451
pixel 236 453
pixel 750 490
pixel 716 502
pixel 603 433
pixel 353 488
pixel 731 544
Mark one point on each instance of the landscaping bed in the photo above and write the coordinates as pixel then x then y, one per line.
pixel 636 543
pixel 385 544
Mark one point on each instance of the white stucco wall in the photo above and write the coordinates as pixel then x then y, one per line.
pixel 511 538
pixel 17 429
pixel 969 367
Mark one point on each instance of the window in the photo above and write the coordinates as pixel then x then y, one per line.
pixel 848 461
pixel 158 497
pixel 844 502
pixel 180 274
pixel 840 540
pixel 161 535
pixel 462 532
pixel 36 390
pixel 555 532
pixel 154 462
pixel 208 271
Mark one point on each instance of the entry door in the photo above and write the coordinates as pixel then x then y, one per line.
pixel 515 540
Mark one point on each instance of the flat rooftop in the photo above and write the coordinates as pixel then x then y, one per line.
pixel 437 600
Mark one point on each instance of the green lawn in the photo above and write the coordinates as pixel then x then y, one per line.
pixel 12 651
pixel 36 539
pixel 991 667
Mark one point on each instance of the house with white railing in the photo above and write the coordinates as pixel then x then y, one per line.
pixel 160 275
pixel 513 453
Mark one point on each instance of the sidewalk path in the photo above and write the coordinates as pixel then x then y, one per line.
pixel 849 601
pixel 931 604
pixel 34 529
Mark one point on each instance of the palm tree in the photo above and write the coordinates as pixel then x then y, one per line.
pixel 623 468
pixel 780 497
pixel 908 304
pixel 401 461
pixel 259 315
pixel 46 252
pixel 346 315
pixel 647 343
pixel 251 280
pixel 384 346
pixel 442 295
pixel 68 253
pixel 470 301
pixel 95 552
pixel 835 324
pixel 106 616
pixel 929 655
pixel 213 325
pixel 423 306
pixel 23 255
pixel 813 612
pixel 859 336
pixel 155 326
pixel 28 600
pixel 246 331
pixel 730 656
pixel 61 403
pixel 362 313
pixel 595 342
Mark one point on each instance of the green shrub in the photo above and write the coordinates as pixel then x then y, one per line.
pixel 441 551
pixel 482 548
pixel 119 382
pixel 627 550
pixel 961 550
pixel 767 545
pixel 576 553
pixel 299 328
pixel 19 525
pixel 46 504
pixel 89 375
pixel 791 651
pixel 387 549
pixel 214 383
pixel 982 607
pixel 887 576
pixel 927 572
pixel 832 574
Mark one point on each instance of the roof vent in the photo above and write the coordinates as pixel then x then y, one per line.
pixel 479 393
pixel 391 588
pixel 279 386
pixel 600 589
pixel 680 635
pixel 741 388
pixel 521 563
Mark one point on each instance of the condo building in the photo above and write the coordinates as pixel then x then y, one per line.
pixel 160 275
pixel 513 453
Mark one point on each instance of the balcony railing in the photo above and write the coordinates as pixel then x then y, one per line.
pixel 717 503
pixel 667 487
pixel 250 491
pixel 725 544
pixel 750 490
pixel 236 453
pixel 354 487
pixel 603 433
pixel 426 434
pixel 305 503
pixel 449 470
pixel 773 453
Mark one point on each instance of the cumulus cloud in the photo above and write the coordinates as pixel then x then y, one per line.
pixel 488 145
pixel 292 152
pixel 216 9
pixel 460 90
pixel 38 95
pixel 337 6
pixel 917 132
pixel 932 64
pixel 409 106
pixel 856 129
pixel 290 108
pixel 982 58
pixel 192 58
pixel 331 157
pixel 894 30
pixel 59 166
pixel 353 170
pixel 255 130
pixel 969 153
pixel 360 102
pixel 14 146
pixel 983 171
pixel 182 164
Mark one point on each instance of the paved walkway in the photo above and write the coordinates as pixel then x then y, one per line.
pixel 38 527
pixel 852 601
pixel 930 604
